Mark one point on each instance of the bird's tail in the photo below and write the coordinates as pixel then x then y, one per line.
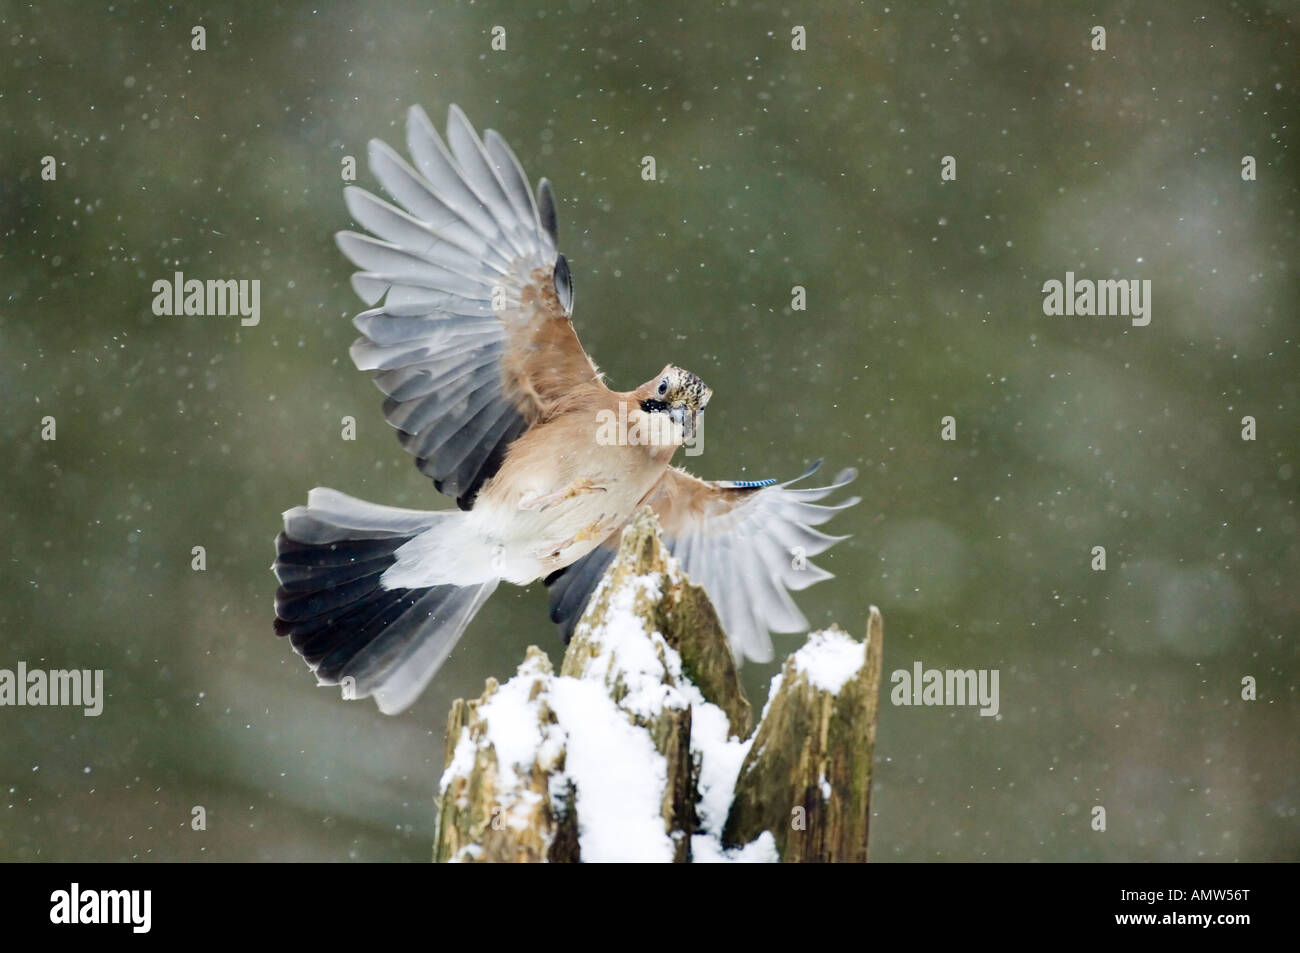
pixel 351 630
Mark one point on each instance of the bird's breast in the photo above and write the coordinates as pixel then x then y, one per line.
pixel 555 500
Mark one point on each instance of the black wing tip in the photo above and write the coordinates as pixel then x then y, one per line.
pixel 564 283
pixel 546 210
pixel 570 589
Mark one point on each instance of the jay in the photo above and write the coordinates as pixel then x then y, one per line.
pixel 470 338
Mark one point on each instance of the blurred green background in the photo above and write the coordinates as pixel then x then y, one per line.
pixel 776 168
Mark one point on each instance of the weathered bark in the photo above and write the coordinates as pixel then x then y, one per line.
pixel 807 777
pixel 484 818
pixel 681 613
pixel 652 642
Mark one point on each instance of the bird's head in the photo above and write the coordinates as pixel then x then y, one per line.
pixel 679 394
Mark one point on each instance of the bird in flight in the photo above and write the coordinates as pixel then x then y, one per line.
pixel 470 339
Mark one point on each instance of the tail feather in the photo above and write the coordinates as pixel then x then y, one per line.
pixel 327 643
pixel 290 552
pixel 401 660
pixel 332 603
pixel 326 601
pixel 296 577
pixel 331 516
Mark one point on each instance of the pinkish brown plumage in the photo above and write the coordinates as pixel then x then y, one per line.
pixel 470 339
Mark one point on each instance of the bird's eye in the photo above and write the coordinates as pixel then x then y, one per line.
pixel 663 386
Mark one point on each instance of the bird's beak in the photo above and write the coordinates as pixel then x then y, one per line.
pixel 684 418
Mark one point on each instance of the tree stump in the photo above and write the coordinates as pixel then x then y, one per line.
pixel 643 747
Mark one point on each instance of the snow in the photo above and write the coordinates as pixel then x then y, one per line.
pixel 514 723
pixel 720 757
pixel 773 689
pixel 520 815
pixel 761 850
pixel 462 761
pixel 618 775
pixel 651 671
pixel 829 659
pixel 635 657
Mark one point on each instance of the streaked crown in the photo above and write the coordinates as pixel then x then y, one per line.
pixel 678 387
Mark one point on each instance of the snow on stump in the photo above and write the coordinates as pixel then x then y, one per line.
pixel 807 777
pixel 641 749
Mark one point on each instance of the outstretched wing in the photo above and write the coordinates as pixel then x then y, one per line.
pixel 748 543
pixel 470 337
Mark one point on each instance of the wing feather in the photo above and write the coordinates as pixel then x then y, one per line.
pixel 737 539
pixel 748 546
pixel 468 331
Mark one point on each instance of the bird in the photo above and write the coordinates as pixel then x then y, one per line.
pixel 468 332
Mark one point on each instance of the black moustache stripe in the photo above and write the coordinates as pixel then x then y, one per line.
pixel 654 406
